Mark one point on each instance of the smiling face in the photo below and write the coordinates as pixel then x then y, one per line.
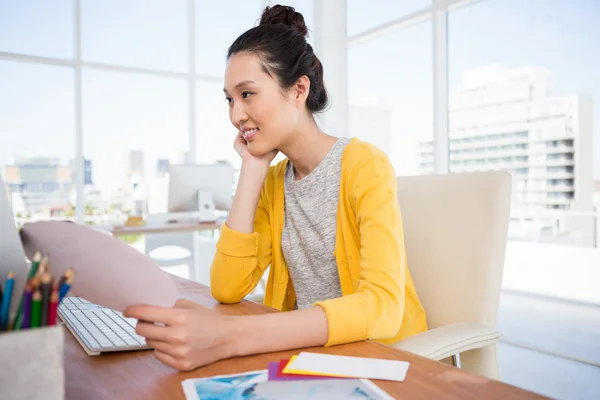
pixel 266 114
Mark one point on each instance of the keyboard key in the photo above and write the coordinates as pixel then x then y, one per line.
pixel 88 306
pixel 132 342
pixel 90 342
pixel 100 328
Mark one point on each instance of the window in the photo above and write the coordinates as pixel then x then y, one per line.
pixel 215 133
pixel 218 24
pixel 132 126
pixel 37 139
pixel 152 34
pixel 390 96
pixel 530 65
pixel 37 28
pixel 367 14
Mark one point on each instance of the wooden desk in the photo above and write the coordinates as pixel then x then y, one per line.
pixel 138 375
pixel 160 228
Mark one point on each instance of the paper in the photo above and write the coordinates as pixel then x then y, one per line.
pixel 108 271
pixel 255 385
pixel 354 367
pixel 230 387
pixel 310 372
pixel 276 373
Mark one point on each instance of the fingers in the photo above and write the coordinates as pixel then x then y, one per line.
pixel 167 316
pixel 163 347
pixel 240 137
pixel 185 303
pixel 182 365
pixel 239 140
pixel 166 359
pixel 153 332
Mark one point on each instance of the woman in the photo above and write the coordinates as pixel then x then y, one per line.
pixel 326 220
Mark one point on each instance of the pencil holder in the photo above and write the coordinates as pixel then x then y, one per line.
pixel 32 364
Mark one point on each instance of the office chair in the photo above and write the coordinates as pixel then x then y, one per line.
pixel 182 242
pixel 455 230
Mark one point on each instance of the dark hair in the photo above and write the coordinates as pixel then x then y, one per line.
pixel 279 41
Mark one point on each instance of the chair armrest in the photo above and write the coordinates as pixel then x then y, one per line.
pixel 256 297
pixel 443 342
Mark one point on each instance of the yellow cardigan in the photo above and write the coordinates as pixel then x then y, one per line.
pixel 379 300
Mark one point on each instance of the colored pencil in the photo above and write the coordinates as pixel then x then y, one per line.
pixel 52 309
pixel 33 274
pixel 36 281
pixel 6 298
pixel 26 314
pixel 64 289
pixel 46 278
pixel 36 305
pixel 43 267
pixel 34 265
pixel 63 278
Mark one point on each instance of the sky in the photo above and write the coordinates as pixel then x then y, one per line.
pixel 123 111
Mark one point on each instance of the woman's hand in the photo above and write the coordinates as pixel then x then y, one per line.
pixel 192 335
pixel 241 147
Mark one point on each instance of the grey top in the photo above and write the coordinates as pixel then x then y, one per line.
pixel 308 238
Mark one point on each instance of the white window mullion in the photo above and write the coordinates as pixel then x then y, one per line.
pixel 79 161
pixel 191 9
pixel 330 45
pixel 440 91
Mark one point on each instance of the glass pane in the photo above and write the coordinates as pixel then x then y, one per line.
pixel 217 26
pixel 363 15
pixel 148 34
pixel 390 95
pixel 37 139
pixel 524 89
pixel 134 126
pixel 40 28
pixel 523 80
pixel 215 133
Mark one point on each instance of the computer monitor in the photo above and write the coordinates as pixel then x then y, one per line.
pixel 12 255
pixel 200 188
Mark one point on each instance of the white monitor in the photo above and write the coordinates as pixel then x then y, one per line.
pixel 192 186
pixel 12 255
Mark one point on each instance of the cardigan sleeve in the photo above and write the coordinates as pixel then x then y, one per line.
pixel 375 310
pixel 241 259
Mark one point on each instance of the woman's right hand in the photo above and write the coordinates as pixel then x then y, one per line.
pixel 241 146
pixel 253 173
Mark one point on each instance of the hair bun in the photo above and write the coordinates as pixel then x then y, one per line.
pixel 279 14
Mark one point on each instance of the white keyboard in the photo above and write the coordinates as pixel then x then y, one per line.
pixel 99 329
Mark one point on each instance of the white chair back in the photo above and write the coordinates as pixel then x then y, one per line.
pixel 455 229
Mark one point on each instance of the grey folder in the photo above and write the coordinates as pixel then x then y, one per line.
pixel 33 364
pixel 12 257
